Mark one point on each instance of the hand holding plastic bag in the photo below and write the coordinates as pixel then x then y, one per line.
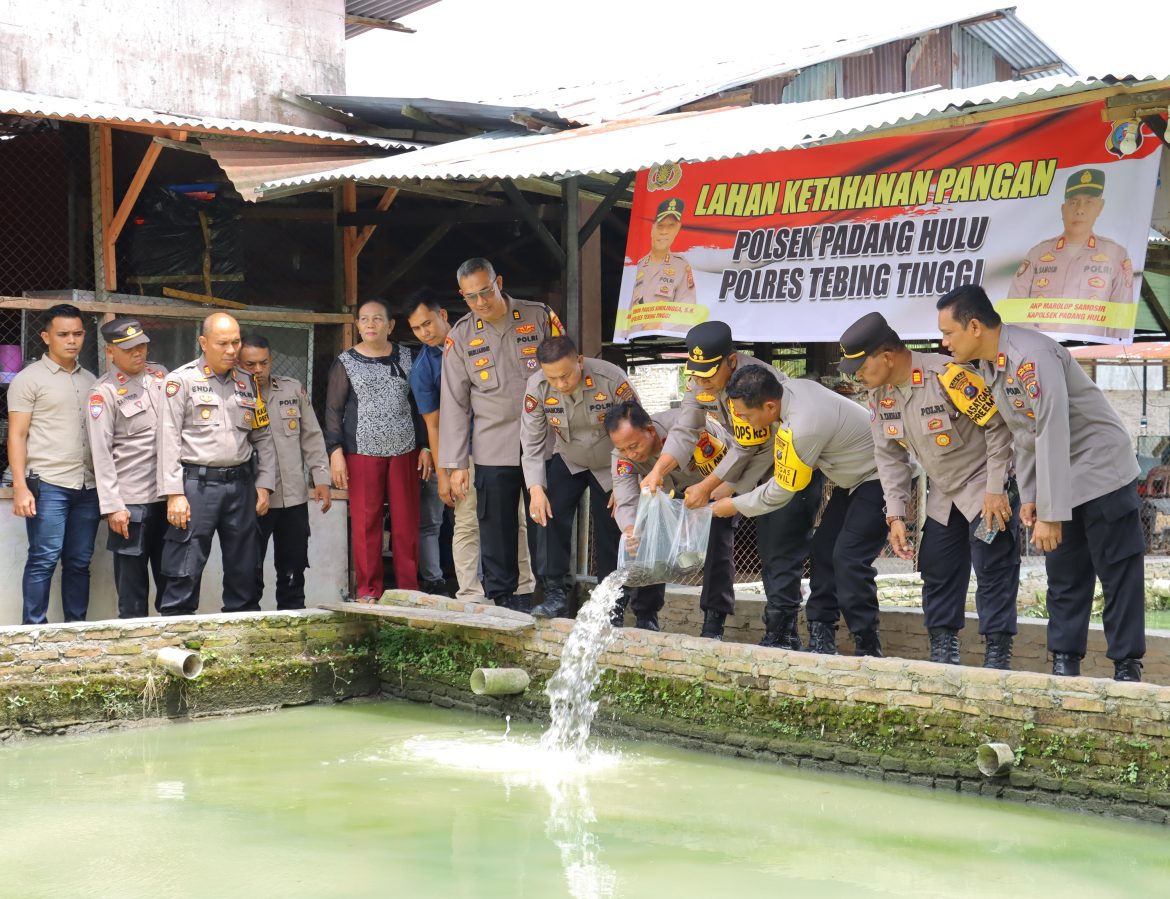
pixel 670 541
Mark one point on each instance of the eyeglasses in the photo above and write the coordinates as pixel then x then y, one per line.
pixel 477 295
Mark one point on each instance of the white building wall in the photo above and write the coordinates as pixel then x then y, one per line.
pixel 202 57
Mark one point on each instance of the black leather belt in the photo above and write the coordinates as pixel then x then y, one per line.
pixel 211 473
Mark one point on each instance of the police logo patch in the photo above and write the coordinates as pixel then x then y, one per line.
pixel 530 403
pixel 172 388
pixel 96 405
pixel 888 403
pixel 248 416
pixel 1019 404
pixel 531 364
pixel 1033 389
pixel 892 430
pixel 969 391
pixel 934 424
pixel 943 440
pixel 1023 268
pixel 205 414
pixel 623 468
pixel 484 375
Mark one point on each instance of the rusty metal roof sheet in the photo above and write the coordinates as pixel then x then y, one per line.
pixel 21 103
pixel 387 10
pixel 698 136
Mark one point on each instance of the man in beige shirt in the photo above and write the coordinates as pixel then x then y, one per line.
pixel 123 422
pixel 52 470
pixel 300 445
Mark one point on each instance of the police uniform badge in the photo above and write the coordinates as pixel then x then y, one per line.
pixel 96 405
pixel 172 388
pixel 530 403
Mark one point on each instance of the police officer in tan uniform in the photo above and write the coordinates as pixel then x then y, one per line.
pixel 663 276
pixel 638 440
pixel 1077 472
pixel 213 424
pixel 488 357
pixel 783 536
pixel 566 400
pixel 300 446
pixel 1079 265
pixel 123 431
pixel 928 405
pixel 815 428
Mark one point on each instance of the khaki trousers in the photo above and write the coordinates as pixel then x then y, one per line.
pixel 465 547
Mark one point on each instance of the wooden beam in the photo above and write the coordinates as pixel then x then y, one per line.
pixel 209 300
pixel 384 24
pixel 435 189
pixel 367 232
pixel 349 243
pixel 420 250
pixel 252 313
pixel 459 215
pixel 106 187
pixel 604 207
pixel 114 231
pixel 184 146
pixel 529 214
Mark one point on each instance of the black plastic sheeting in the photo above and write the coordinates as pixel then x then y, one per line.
pixel 175 234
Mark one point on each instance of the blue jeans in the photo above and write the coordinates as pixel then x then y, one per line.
pixel 430 510
pixel 64 529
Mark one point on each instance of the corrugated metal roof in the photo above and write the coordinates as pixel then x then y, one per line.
pixel 387 10
pixel 21 103
pixel 248 165
pixel 390 112
pixel 599 102
pixel 694 136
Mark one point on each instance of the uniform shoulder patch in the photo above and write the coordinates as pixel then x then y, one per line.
pixel 968 393
pixel 623 468
pixel 530 403
pixel 173 387
pixel 447 344
pixel 556 329
pixel 96 405
pixel 624 391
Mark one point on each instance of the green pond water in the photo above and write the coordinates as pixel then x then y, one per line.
pixel 393 799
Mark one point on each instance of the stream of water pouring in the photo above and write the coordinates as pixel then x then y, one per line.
pixel 570 690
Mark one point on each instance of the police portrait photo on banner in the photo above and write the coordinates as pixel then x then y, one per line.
pixel 1049 212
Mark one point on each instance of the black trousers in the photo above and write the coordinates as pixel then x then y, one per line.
pixel 498 489
pixel 139 556
pixel 289 530
pixel 851 534
pixel 718 593
pixel 946 557
pixel 1104 539
pixel 565 491
pixel 784 539
pixel 226 507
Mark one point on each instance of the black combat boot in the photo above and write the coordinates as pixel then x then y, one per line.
pixel 713 624
pixel 867 642
pixel 505 601
pixel 780 629
pixel 1066 664
pixel 556 603
pixel 647 621
pixel 944 645
pixel 822 638
pixel 998 652
pixel 1128 669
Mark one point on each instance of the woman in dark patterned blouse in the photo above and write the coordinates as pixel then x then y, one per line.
pixel 373 433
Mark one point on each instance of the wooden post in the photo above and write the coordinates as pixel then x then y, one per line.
pixel 590 264
pixel 571 270
pixel 349 255
pixel 105 275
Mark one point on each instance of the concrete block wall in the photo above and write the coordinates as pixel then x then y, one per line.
pixel 200 57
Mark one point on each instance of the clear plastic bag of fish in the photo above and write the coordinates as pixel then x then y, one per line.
pixel 671 541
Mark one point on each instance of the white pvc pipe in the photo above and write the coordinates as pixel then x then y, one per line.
pixel 498 681
pixel 180 662
pixel 994 759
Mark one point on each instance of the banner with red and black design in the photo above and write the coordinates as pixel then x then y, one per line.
pixel 1049 212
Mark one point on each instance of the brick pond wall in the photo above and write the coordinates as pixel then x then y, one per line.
pixel 54 678
pixel 1085 743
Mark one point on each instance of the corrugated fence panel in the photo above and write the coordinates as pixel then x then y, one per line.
pixel 929 61
pixel 817 82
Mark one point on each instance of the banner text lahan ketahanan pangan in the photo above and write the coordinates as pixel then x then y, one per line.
pixel 961 236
